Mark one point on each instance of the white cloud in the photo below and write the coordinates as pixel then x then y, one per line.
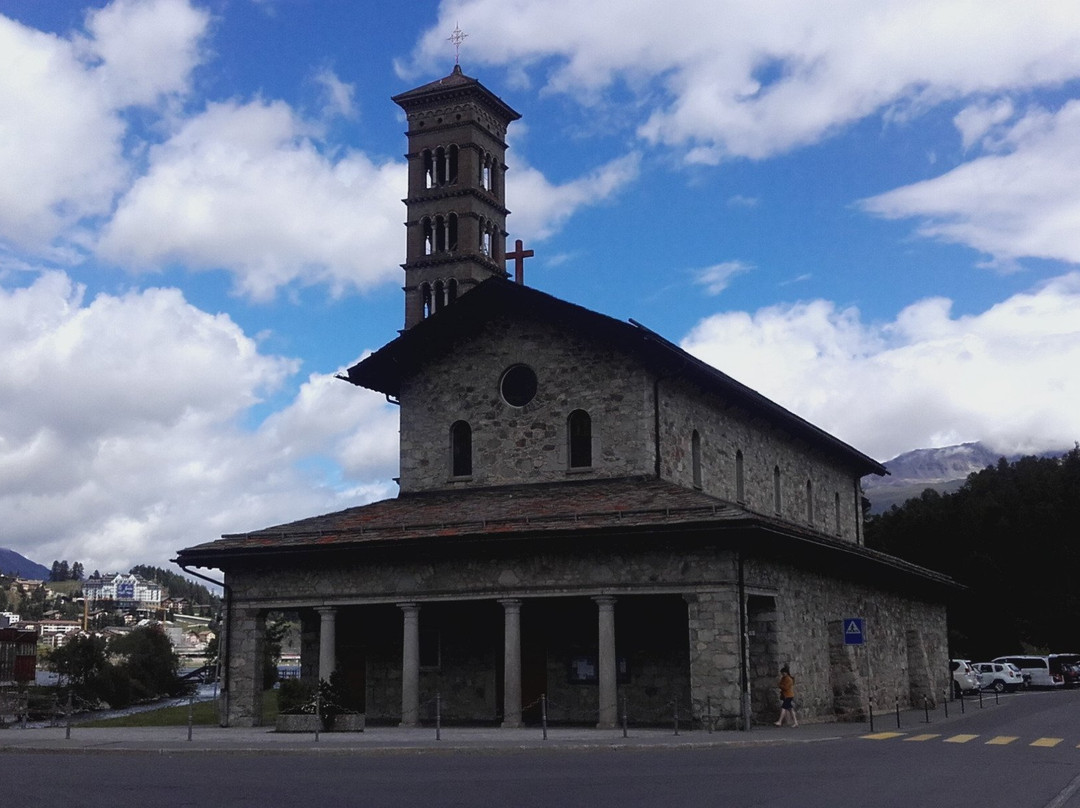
pixel 61 141
pixel 541 207
pixel 243 187
pixel 718 277
pixel 976 120
pixel 735 82
pixel 1022 201
pixel 1005 376
pixel 147 48
pixel 121 437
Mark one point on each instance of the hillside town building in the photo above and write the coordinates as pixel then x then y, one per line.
pixel 588 517
pixel 120 591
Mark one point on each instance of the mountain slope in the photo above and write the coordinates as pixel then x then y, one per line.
pixel 944 469
pixel 11 563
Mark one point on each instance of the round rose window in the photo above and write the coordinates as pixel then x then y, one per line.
pixel 518 385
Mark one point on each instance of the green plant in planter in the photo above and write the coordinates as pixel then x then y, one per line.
pixel 335 699
pixel 296 697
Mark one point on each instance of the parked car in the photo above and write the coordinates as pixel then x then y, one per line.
pixel 964 678
pixel 999 676
pixel 1068 665
pixel 1037 667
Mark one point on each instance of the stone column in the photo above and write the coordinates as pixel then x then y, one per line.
pixel 327 642
pixel 410 665
pixel 511 662
pixel 244 699
pixel 608 691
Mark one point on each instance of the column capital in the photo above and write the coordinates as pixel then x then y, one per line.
pixel 510 604
pixel 604 600
pixel 409 607
pixel 326 611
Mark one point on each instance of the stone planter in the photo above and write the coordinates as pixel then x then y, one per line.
pixel 348 722
pixel 298 723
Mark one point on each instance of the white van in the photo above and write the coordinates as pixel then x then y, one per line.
pixel 1036 670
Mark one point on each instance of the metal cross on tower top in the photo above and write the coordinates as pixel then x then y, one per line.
pixel 457 37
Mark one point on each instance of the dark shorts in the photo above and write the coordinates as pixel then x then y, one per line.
pixel 788 704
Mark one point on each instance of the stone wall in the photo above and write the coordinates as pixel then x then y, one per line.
pixel 726 430
pixel 530 443
pixel 524 444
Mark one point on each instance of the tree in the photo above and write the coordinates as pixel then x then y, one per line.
pixel 77 571
pixel 79 660
pixel 150 662
pixel 1008 536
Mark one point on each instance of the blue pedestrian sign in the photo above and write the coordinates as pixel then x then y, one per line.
pixel 854 633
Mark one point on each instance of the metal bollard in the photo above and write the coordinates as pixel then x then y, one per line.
pixel 926 708
pixel 870 705
pixel 624 700
pixel 945 701
pixel 543 713
pixel 438 716
pixel 676 716
pixel 898 712
pixel 962 709
pixel 318 713
pixel 980 698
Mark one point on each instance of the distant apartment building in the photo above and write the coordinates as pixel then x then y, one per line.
pixel 120 591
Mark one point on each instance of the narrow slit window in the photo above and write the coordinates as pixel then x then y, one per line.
pixel 695 457
pixel 740 478
pixel 579 428
pixel 461 449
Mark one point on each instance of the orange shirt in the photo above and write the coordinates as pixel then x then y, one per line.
pixel 787 686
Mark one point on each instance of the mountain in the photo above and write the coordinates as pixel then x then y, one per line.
pixel 944 469
pixel 11 563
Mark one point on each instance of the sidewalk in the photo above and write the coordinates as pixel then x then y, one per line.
pixel 398 740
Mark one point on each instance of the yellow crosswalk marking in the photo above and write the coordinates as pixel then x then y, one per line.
pixel 961 738
pixel 883 736
pixel 1001 740
pixel 929 736
pixel 1047 742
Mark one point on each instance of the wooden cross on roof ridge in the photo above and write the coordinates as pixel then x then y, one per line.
pixel 518 256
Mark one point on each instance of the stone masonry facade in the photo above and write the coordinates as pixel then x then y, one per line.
pixel 530 444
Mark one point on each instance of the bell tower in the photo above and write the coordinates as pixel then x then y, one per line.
pixel 456 207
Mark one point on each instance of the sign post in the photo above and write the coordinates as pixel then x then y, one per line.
pixel 855 634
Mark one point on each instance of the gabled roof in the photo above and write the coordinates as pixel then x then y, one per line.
pixel 588 513
pixel 384 370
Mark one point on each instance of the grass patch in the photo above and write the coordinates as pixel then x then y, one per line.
pixel 203 713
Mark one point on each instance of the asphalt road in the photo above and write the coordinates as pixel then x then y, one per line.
pixel 1021 753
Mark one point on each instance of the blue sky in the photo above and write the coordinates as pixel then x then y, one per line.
pixel 868 212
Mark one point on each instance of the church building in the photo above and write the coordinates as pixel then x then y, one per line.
pixel 589 518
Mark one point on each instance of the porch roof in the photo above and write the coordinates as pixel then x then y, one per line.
pixel 581 509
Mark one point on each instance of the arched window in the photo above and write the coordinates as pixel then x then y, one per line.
pixel 778 504
pixel 809 502
pixel 427 304
pixel 740 478
pixel 695 457
pixel 461 449
pixel 440 295
pixel 579 432
pixel 429 169
pixel 429 237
